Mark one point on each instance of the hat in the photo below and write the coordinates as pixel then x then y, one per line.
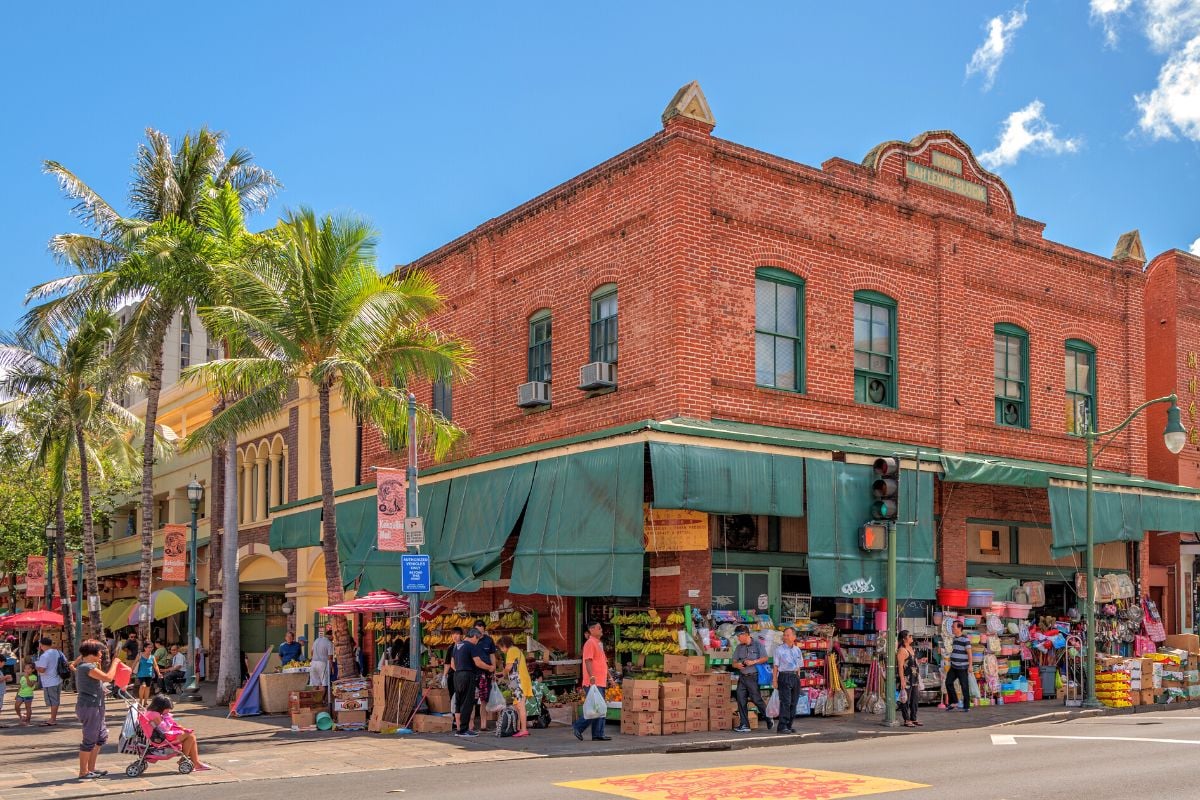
pixel 301 638
pixel 740 629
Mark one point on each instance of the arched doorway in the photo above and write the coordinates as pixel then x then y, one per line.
pixel 262 579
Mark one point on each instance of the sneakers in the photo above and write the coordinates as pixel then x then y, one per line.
pixel 770 724
pixel 467 734
pixel 742 729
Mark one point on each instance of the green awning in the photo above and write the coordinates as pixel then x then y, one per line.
pixel 302 529
pixel 724 481
pixel 1000 471
pixel 839 503
pixel 730 430
pixel 581 535
pixel 1116 517
pixel 482 511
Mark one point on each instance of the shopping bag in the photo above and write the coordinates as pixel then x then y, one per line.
pixel 594 706
pixel 803 704
pixel 765 673
pixel 495 702
pixel 773 705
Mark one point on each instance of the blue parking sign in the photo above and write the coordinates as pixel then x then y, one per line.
pixel 414 574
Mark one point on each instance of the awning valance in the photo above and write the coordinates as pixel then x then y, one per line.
pixel 301 529
pixel 839 503
pixel 1116 516
pixel 359 558
pixel 582 531
pixel 725 481
pixel 1001 471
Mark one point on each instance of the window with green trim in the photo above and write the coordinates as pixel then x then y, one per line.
pixel 778 329
pixel 604 324
pixel 443 399
pixel 1081 385
pixel 874 349
pixel 1011 360
pixel 539 347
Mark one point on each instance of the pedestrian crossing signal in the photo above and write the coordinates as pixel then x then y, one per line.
pixel 874 536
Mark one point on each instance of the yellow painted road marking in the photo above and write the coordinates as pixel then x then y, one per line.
pixel 743 783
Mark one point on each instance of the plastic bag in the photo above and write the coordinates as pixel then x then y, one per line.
pixel 765 674
pixel 594 706
pixel 496 703
pixel 773 705
pixel 803 705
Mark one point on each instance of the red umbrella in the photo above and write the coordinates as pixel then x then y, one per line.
pixel 31 620
pixel 379 602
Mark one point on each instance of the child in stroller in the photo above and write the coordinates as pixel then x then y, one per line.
pixel 154 735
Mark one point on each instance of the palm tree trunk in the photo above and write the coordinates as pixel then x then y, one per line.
pixel 229 676
pixel 91 584
pixel 60 557
pixel 153 389
pixel 333 571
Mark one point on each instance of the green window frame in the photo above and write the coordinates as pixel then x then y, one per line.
pixel 778 329
pixel 604 324
pixel 539 347
pixel 1080 368
pixel 443 400
pixel 1010 360
pixel 875 349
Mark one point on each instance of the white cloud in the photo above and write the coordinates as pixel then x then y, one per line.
pixel 1106 12
pixel 1173 107
pixel 1171 22
pixel 1026 130
pixel 1000 32
pixel 1195 248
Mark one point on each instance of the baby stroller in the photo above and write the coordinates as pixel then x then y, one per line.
pixel 140 738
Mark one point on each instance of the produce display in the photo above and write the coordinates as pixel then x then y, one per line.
pixel 436 632
pixel 648 632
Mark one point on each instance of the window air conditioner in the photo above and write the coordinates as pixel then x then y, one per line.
pixel 598 375
pixel 533 394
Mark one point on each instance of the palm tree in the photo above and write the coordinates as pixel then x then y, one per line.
pixel 116 261
pixel 61 389
pixel 319 314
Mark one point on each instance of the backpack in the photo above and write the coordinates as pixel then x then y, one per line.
pixel 506 722
pixel 64 672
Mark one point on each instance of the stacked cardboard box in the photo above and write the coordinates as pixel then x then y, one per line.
pixel 304 705
pixel 641 710
pixel 720 704
pixel 351 701
pixel 674 707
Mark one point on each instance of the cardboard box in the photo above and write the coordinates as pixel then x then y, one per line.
pixel 1147 697
pixel 695 726
pixel 700 690
pixel 697 713
pixel 640 688
pixel 1183 641
pixel 641 716
pixel 751 716
pixel 403 673
pixel 639 704
pixel 673 703
pixel 352 704
pixel 674 716
pixel 574 670
pixel 696 703
pixel 720 722
pixel 432 723
pixel 672 728
pixel 694 665
pixel 306 698
pixel 438 700
pixel 641 723
pixel 304 718
pixel 351 719
pixel 673 689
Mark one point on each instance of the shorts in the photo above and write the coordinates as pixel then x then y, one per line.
pixel 95 732
pixel 146 681
pixel 52 695
pixel 26 700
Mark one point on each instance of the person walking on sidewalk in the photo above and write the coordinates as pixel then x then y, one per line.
pixel 485 649
pixel 322 654
pixel 47 666
pixel 595 673
pixel 960 669
pixel 467 666
pixel 786 681
pixel 910 679
pixel 747 657
pixel 147 673
pixel 89 705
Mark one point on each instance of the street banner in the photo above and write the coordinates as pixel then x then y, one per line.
pixel 674 529
pixel 174 567
pixel 35 576
pixel 69 563
pixel 390 495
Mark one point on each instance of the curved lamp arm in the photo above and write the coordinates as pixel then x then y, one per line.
pixel 1095 436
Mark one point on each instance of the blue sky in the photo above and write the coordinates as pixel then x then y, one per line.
pixel 431 121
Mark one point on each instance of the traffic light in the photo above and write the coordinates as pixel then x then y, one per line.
pixel 886 489
pixel 874 537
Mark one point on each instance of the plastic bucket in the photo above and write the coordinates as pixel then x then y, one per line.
pixel 324 721
pixel 1048 683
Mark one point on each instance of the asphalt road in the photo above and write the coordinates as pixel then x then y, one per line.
pixel 1106 758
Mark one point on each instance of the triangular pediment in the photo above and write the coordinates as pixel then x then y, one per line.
pixel 689 102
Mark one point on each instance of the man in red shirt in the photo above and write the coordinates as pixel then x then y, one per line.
pixel 595 673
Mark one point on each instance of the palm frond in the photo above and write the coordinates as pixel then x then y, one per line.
pixel 91 209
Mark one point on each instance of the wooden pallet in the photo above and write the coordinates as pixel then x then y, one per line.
pixel 394 701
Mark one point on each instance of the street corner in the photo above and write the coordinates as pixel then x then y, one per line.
pixel 749 782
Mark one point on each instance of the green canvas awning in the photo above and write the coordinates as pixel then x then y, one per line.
pixel 302 529
pixel 1116 517
pixel 481 513
pixel 581 535
pixel 1000 471
pixel 839 503
pixel 724 481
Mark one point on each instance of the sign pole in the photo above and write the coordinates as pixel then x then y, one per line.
pixel 411 510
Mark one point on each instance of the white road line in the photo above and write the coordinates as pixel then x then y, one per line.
pixel 1004 740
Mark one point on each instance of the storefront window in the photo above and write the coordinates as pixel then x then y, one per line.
pixel 758 534
pixel 742 590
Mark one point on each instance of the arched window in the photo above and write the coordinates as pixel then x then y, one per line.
pixel 1081 386
pixel 778 329
pixel 875 349
pixel 539 347
pixel 1011 375
pixel 604 324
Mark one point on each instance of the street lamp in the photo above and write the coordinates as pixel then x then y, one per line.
pixel 1174 437
pixel 195 493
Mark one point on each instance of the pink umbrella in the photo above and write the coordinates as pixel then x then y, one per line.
pixel 32 620
pixel 379 602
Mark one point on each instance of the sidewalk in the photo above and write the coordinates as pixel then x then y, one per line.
pixel 40 762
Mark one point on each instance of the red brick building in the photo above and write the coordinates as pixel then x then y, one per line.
pixel 770 328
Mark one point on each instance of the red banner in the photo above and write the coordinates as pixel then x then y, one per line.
pixel 35 576
pixel 390 496
pixel 174 567
pixel 69 562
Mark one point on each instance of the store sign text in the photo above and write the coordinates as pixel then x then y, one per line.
pixel 942 180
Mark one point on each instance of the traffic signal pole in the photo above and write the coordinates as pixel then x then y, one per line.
pixel 893 610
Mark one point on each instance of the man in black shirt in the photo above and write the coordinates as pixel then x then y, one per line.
pixel 467 668
pixel 486 650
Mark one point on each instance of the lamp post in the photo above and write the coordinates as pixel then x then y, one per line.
pixel 195 493
pixel 1174 437
pixel 414 600
pixel 51 530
